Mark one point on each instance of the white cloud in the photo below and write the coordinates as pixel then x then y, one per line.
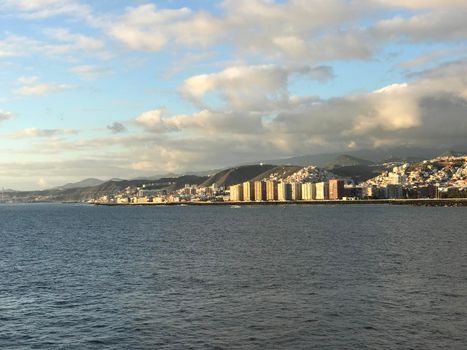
pixel 90 72
pixel 144 27
pixel 249 87
pixel 35 133
pixel 424 4
pixel 412 113
pixel 442 25
pixel 284 28
pixel 154 121
pixel 79 41
pixel 14 45
pixel 31 86
pixel 37 9
pixel 41 89
pixel 62 43
pixel 294 31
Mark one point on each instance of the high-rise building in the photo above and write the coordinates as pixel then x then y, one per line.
pixel 260 191
pixel 336 189
pixel 284 191
pixel 296 188
pixel 248 191
pixel 393 191
pixel 236 193
pixel 373 192
pixel 308 191
pixel 322 190
pixel 271 190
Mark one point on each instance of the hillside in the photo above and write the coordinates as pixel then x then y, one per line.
pixel 278 173
pixel 91 182
pixel 106 188
pixel 237 175
pixel 443 171
pixel 358 173
pixel 376 155
pixel 345 160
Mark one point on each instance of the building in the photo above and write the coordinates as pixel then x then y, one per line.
pixel 122 200
pixel 151 193
pixel 352 191
pixel 296 189
pixel 308 191
pixel 284 191
pixel 248 191
pixel 271 190
pixel 336 189
pixel 394 191
pixel 322 190
pixel 236 193
pixel 173 199
pixel 373 192
pixel 260 191
pixel 142 200
pixel 189 190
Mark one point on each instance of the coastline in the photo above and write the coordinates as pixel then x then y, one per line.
pixel 440 202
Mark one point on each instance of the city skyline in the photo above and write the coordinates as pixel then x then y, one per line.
pixel 137 88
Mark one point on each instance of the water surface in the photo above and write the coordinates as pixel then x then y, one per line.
pixel 264 277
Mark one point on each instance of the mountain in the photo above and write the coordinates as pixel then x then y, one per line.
pixel 105 188
pixel 91 182
pixel 277 173
pixel 358 169
pixel 376 155
pixel 345 160
pixel 451 153
pixel 236 175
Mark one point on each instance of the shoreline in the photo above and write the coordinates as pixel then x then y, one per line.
pixel 441 202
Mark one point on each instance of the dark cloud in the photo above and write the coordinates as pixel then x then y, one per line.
pixel 117 128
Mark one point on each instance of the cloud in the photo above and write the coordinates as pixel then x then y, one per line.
pixel 143 27
pixel 404 113
pixel 294 31
pixel 286 29
pixel 116 128
pixel 441 26
pixel 249 87
pixel 90 72
pixel 154 121
pixel 14 45
pixel 37 9
pixel 428 110
pixel 61 42
pixel 4 115
pixel 30 86
pixel 41 133
pixel 424 4
pixel 79 41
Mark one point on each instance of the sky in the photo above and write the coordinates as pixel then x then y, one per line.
pixel 130 88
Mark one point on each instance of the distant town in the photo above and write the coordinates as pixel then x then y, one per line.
pixel 438 178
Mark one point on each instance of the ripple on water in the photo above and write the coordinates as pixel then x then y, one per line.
pixel 292 277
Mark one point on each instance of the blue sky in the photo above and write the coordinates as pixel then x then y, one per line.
pixel 135 88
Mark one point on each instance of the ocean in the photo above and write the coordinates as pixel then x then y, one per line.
pixel 260 277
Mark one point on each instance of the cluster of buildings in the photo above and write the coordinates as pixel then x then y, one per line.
pixel 148 195
pixel 439 177
pixel 272 190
